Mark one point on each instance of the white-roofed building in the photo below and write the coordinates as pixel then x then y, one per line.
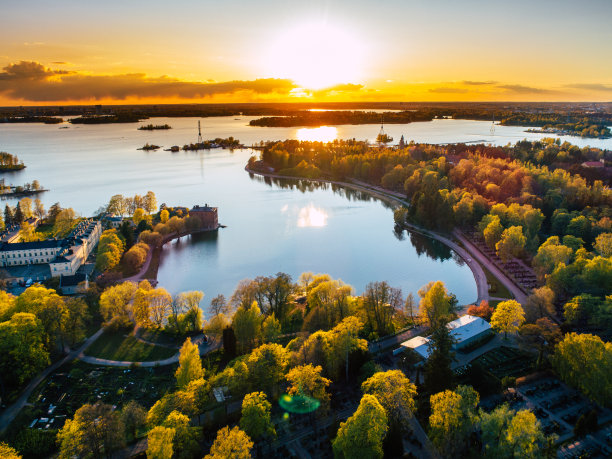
pixel 418 344
pixel 468 329
pixel 465 330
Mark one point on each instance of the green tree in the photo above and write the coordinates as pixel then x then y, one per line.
pixel 508 317
pixel 511 244
pixel 232 443
pixel 363 433
pixel 395 393
pixel 133 417
pixel 438 373
pixel 96 430
pixel 256 421
pixel 380 302
pixel 22 353
pixel 271 328
pixel 184 443
pixel 267 365
pixel 160 443
pixel 307 380
pixel 453 415
pixel 190 364
pixel 585 361
pixel 247 325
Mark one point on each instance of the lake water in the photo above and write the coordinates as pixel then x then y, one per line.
pixel 271 227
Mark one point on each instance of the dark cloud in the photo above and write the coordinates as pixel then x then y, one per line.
pixel 591 86
pixel 477 83
pixel 447 90
pixel 34 82
pixel 520 89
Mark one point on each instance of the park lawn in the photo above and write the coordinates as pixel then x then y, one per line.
pixel 117 345
pixel 497 289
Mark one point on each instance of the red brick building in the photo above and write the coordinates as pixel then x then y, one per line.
pixel 207 215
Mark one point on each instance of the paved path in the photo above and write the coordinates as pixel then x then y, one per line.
pixel 519 295
pixel 9 414
pixel 205 348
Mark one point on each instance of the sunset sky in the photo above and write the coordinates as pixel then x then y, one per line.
pixel 74 51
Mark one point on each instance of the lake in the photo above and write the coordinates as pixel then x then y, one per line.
pixel 271 226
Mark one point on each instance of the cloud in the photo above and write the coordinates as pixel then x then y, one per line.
pixel 32 81
pixel 591 86
pixel 335 90
pixel 448 90
pixel 477 83
pixel 520 89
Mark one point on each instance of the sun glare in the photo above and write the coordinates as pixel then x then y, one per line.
pixel 316 56
pixel 311 216
pixel 320 134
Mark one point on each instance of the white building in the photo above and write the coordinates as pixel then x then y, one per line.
pixel 41 260
pixel 465 330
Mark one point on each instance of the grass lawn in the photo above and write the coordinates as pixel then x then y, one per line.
pixel 497 288
pixel 118 346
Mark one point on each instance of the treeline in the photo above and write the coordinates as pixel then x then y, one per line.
pixel 36 326
pixel 31 119
pixel 585 126
pixel 57 221
pixel 126 117
pixel 321 118
pixel 516 206
pixel 153 127
pixel 9 162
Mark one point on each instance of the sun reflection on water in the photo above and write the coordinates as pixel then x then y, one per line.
pixel 311 216
pixel 320 134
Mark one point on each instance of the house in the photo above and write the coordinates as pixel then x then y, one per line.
pixel 594 164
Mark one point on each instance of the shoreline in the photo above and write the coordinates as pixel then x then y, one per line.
pixel 482 288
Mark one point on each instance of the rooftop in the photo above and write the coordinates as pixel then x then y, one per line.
pixel 467 326
pixel 48 244
pixel 418 344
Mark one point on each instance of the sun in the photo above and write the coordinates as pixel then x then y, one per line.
pixel 316 56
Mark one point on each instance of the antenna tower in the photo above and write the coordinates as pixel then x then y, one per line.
pixel 199 133
pixel 492 130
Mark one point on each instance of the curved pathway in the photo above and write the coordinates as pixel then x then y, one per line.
pixel 9 413
pixel 204 348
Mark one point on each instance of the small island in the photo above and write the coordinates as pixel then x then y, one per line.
pixel 229 143
pixel 10 163
pixel 108 119
pixel 32 119
pixel 154 127
pixel 148 147
pixel 28 189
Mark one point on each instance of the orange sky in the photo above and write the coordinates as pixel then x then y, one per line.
pixel 68 52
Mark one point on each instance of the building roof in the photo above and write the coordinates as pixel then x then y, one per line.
pixel 36 245
pixel 466 327
pixel 72 281
pixel 206 208
pixel 593 164
pixel 418 344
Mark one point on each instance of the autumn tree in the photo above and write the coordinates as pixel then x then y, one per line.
pixel 164 215
pixel 603 244
pixel 508 317
pixel 256 421
pixel 363 433
pixel 150 202
pixel 218 305
pixel 110 249
pixel 437 306
pixel 483 310
pixel 232 443
pixel 190 364
pixel 540 304
pixel 160 443
pixel 188 304
pixel 395 393
pixel 8 452
pixel 115 303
